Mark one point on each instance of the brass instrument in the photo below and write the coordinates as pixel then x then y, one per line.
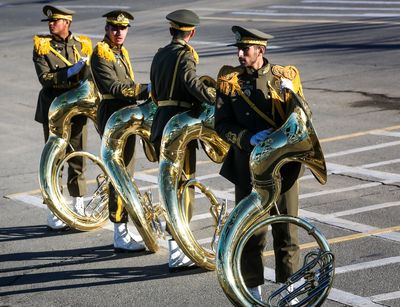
pixel 180 130
pixel 295 141
pixel 123 123
pixel 82 100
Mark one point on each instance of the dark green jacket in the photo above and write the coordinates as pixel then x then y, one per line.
pixel 236 121
pixel 52 70
pixel 188 87
pixel 113 74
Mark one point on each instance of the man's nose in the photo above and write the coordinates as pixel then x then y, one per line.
pixel 240 52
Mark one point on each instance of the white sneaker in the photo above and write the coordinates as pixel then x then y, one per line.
pixel 78 204
pixel 256 292
pixel 54 223
pixel 123 242
pixel 177 260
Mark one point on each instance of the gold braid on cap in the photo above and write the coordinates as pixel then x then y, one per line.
pixel 41 44
pixel 181 28
pixel 251 41
pixel 60 16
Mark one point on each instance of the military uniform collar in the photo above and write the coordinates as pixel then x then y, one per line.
pixel 110 43
pixel 178 41
pixel 262 71
pixel 60 40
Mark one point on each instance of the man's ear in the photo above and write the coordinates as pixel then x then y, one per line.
pixel 192 33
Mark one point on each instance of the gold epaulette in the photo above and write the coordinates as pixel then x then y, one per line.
pixel 104 51
pixel 86 44
pixel 41 44
pixel 193 52
pixel 289 72
pixel 227 80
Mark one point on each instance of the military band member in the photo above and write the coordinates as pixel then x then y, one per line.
pixel 176 88
pixel 60 63
pixel 113 74
pixel 249 109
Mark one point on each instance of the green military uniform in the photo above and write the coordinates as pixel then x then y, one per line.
pixel 113 74
pixel 176 88
pixel 249 101
pixel 52 57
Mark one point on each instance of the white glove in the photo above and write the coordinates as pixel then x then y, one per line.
pixel 286 83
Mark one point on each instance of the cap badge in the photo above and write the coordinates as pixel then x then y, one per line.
pixel 49 13
pixel 120 17
pixel 238 37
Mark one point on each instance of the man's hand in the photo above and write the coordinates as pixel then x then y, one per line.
pixel 286 83
pixel 77 67
pixel 260 136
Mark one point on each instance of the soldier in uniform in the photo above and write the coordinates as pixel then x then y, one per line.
pixel 60 63
pixel 176 88
pixel 113 74
pixel 248 109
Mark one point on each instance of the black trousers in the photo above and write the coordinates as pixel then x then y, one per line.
pixel 76 181
pixel 285 242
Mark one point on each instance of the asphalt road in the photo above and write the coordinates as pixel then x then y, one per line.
pixel 347 52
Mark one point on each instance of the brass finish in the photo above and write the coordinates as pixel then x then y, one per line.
pixel 180 130
pixel 123 123
pixel 82 100
pixel 296 141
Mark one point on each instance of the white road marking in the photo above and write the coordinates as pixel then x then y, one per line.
pixel 353 2
pixel 386 133
pixel 367 265
pixel 386 296
pixel 343 169
pixel 332 8
pixel 362 149
pixel 366 209
pixel 350 299
pixel 364 15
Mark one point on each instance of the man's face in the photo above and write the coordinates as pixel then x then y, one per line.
pixel 248 55
pixel 116 34
pixel 58 26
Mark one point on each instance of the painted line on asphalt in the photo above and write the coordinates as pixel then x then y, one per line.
pixel 343 169
pixel 352 2
pixel 332 8
pixel 362 15
pixel 386 133
pixel 367 265
pixel 306 21
pixel 357 134
pixel 386 296
pixel 362 149
pixel 365 209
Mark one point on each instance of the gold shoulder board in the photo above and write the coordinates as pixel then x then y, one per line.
pixel 289 72
pixel 228 81
pixel 193 52
pixel 41 44
pixel 86 44
pixel 104 51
